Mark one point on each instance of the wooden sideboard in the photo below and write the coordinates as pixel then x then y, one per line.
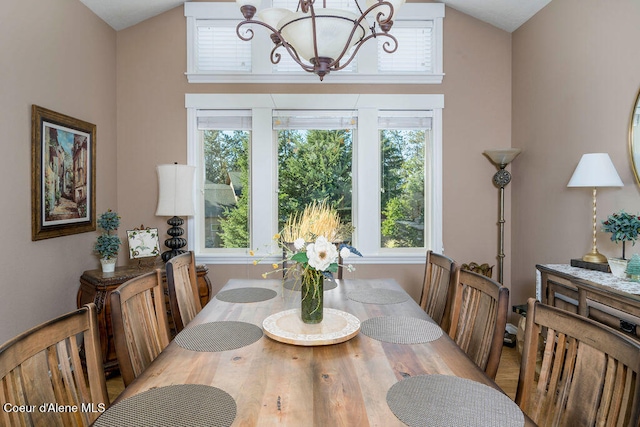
pixel 96 287
pixel 594 294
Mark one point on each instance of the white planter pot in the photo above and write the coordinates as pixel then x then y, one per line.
pixel 108 265
pixel 618 267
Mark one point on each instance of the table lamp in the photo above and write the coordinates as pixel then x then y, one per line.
pixel 501 158
pixel 175 199
pixel 595 170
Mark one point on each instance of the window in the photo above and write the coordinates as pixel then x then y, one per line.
pixel 224 208
pixel 404 144
pixel 314 160
pixel 215 54
pixel 377 148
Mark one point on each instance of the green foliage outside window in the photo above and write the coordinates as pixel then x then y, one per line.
pixel 403 188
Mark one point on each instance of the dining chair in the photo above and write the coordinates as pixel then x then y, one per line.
pixel 184 297
pixel 479 319
pixel 589 373
pixel 58 362
pixel 438 288
pixel 139 319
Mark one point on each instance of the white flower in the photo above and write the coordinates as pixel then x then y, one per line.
pixel 345 253
pixel 299 243
pixel 321 254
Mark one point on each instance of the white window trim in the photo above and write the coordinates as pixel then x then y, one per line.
pixel 366 195
pixel 262 44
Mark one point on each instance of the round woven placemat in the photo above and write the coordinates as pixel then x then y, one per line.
pixel 401 330
pixel 218 336
pixel 378 296
pixel 294 285
pixel 447 401
pixel 192 405
pixel 246 295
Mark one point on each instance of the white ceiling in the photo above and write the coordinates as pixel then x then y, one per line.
pixel 505 14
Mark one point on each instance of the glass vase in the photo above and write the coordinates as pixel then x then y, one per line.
pixel 311 296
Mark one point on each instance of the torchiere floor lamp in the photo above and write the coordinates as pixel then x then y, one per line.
pixel 501 158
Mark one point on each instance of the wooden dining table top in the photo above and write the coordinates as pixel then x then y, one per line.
pixel 274 383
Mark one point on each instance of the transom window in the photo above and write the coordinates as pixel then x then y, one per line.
pixel 215 54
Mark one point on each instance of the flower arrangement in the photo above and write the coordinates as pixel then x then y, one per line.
pixel 623 228
pixel 107 245
pixel 317 219
pixel 311 254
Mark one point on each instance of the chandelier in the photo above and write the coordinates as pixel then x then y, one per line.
pixel 324 39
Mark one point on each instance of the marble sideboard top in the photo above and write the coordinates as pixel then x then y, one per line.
pixel 599 277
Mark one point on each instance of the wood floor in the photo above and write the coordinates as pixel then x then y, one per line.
pixel 507 377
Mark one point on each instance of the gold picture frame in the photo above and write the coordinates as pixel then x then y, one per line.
pixel 63 175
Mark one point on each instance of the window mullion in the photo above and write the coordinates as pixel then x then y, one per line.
pixel 263 208
pixel 367 184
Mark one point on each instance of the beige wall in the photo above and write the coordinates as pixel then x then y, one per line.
pixel 59 55
pixel 576 73
pixel 477 115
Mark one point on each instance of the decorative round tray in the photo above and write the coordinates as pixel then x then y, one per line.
pixel 287 327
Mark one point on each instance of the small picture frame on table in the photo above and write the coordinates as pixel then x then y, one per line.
pixel 143 243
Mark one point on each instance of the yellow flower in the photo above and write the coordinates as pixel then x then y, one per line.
pixel 252 253
pixel 276 236
pixel 264 275
pixel 255 262
pixel 274 266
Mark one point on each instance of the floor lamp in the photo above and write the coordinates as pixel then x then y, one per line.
pixel 501 158
pixel 175 199
pixel 595 170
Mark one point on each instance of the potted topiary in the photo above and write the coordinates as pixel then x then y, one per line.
pixel 623 228
pixel 108 244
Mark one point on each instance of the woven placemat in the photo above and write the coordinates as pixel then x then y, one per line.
pixel 246 295
pixel 378 296
pixel 294 285
pixel 447 401
pixel 192 405
pixel 218 336
pixel 401 330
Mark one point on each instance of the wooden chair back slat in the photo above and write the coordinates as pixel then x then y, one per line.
pixel 139 320
pixel 184 297
pixel 479 319
pixel 49 364
pixel 588 374
pixel 438 288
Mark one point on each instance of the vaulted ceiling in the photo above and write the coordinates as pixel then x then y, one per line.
pixel 505 14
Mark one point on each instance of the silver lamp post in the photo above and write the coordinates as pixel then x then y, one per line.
pixel 501 158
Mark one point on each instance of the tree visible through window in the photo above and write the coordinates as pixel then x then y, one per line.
pixel 314 165
pixel 226 159
pixel 403 188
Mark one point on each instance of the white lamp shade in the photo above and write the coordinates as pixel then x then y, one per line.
pixel 273 15
pixel 175 190
pixel 595 170
pixel 333 27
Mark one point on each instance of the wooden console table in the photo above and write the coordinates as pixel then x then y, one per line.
pixel 96 287
pixel 598 295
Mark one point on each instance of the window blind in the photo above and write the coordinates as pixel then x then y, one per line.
pixel 220 49
pixel 407 120
pixel 224 120
pixel 414 53
pixel 319 119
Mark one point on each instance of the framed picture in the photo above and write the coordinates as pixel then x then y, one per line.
pixel 63 175
pixel 143 243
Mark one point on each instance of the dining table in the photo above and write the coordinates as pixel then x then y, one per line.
pixel 376 359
